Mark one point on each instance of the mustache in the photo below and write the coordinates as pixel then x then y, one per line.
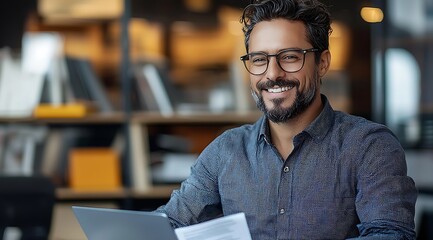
pixel 278 82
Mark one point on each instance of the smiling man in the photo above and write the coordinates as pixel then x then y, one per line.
pixel 302 171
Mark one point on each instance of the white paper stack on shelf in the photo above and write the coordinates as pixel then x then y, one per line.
pixel 175 167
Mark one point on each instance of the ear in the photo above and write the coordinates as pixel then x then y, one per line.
pixel 325 61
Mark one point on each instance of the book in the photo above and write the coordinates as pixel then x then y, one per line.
pixel 145 96
pixel 156 90
pixel 85 85
pixel 151 74
pixel 20 91
pixel 78 89
pixel 42 54
pixel 51 152
pixel 140 163
pixel 93 84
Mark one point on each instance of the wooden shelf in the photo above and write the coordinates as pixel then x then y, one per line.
pixel 154 192
pixel 71 194
pixel 208 118
pixel 161 191
pixel 143 117
pixel 99 118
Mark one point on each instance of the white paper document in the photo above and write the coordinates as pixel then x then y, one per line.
pixel 20 91
pixel 232 227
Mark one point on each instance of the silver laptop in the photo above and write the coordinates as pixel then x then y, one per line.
pixel 115 224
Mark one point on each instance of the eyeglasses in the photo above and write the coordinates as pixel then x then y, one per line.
pixel 290 60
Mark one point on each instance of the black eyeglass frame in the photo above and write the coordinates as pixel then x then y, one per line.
pixel 246 57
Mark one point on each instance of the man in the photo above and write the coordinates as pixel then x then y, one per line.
pixel 303 171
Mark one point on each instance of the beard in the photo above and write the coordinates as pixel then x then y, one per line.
pixel 280 114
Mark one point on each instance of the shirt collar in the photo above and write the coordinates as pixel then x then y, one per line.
pixel 316 130
pixel 323 123
pixel 264 129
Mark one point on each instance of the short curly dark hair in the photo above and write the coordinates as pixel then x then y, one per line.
pixel 312 13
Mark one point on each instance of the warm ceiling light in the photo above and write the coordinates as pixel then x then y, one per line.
pixel 372 15
pixel 200 6
pixel 73 9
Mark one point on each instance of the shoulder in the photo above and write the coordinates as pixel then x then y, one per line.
pixel 373 144
pixel 365 137
pixel 356 126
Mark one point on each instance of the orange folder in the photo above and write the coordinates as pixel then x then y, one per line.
pixel 94 169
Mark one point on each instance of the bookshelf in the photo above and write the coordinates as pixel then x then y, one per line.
pixel 143 122
pixel 102 49
pixel 102 44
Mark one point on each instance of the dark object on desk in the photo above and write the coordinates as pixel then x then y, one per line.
pixel 26 203
pixel 426 228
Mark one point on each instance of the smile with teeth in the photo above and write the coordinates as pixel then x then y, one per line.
pixel 279 89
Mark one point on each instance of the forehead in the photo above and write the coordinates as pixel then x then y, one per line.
pixel 277 34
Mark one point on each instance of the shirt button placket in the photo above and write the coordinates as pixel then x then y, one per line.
pixel 282 211
pixel 284 199
pixel 285 170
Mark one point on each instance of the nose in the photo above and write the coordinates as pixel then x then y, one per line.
pixel 274 70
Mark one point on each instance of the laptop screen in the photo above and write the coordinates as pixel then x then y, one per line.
pixel 115 224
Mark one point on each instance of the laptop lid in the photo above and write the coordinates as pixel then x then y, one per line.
pixel 115 224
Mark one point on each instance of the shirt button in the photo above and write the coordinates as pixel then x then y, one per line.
pixel 286 169
pixel 282 211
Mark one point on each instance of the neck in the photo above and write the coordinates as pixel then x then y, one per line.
pixel 282 134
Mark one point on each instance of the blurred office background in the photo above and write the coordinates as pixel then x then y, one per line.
pixel 382 53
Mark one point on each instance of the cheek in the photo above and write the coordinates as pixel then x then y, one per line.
pixel 305 85
pixel 306 81
pixel 311 76
pixel 253 82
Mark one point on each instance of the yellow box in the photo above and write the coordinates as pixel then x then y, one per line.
pixel 72 110
pixel 94 169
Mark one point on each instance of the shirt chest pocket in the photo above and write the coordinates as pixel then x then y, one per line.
pixel 323 179
pixel 326 217
pixel 247 196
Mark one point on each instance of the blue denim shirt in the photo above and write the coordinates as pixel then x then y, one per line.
pixel 346 177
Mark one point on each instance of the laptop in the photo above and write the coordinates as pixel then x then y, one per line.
pixel 115 224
